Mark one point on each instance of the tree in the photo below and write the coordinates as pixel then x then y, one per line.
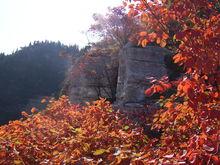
pixel 191 29
pixel 100 61
pixel 31 72
pixel 102 72
pixel 115 27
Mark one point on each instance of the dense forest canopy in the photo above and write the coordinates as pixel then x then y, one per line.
pixel 31 72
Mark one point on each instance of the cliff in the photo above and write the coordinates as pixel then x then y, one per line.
pixel 121 78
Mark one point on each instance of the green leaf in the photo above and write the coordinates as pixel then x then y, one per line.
pixel 99 152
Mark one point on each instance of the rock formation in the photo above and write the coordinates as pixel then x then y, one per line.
pixel 136 67
pixel 98 76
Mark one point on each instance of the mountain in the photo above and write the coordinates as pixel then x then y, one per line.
pixel 31 72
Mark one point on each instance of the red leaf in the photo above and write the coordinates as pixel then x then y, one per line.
pixel 216 159
pixel 149 91
pixel 2 154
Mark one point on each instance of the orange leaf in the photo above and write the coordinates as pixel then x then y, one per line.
pixel 43 101
pixel 186 87
pixel 25 114
pixel 168 104
pixel 152 36
pixel 159 88
pixel 158 40
pixel 33 110
pixel 177 58
pixel 17 162
pixel 165 36
pixel 166 86
pixel 143 34
pixel 163 43
pixel 144 17
pixel 144 43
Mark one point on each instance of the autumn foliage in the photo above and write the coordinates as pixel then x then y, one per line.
pixel 69 134
pixel 189 120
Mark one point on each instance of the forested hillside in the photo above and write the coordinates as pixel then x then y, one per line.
pixel 33 71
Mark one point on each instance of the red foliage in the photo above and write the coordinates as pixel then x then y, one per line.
pixel 160 86
pixel 69 134
pixel 190 119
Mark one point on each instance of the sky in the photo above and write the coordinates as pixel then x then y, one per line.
pixel 25 21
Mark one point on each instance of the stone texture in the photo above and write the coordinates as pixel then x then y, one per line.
pixel 130 71
pixel 136 67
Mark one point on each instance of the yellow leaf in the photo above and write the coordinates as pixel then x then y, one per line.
pixel 17 162
pixel 126 127
pixel 86 147
pixel 55 152
pixel 18 142
pixel 155 120
pixel 99 152
pixel 53 131
pixel 78 130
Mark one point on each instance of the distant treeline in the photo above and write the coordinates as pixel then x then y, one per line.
pixel 33 71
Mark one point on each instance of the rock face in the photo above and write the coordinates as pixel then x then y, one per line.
pixel 136 67
pixel 92 77
pixel 122 78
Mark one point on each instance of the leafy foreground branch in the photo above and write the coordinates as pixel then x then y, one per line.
pixel 97 134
